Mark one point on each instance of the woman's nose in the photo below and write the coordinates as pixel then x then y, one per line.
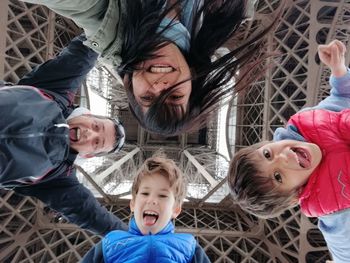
pixel 160 85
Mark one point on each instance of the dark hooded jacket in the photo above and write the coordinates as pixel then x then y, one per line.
pixel 35 157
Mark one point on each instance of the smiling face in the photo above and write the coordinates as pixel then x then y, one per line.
pixel 159 74
pixel 91 135
pixel 154 204
pixel 288 163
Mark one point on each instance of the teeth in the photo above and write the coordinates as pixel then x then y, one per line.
pixel 161 69
pixel 150 213
pixel 297 158
pixel 78 134
pixel 296 155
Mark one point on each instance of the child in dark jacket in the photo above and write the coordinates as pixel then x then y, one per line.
pixel 307 164
pixel 158 192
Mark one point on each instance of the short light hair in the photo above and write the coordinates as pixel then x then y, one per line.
pixel 252 190
pixel 167 168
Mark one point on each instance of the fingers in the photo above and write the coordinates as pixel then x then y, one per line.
pixel 333 53
pixel 324 49
pixel 333 44
pixel 324 52
pixel 341 47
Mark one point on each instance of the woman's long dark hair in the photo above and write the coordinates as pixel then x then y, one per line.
pixel 213 24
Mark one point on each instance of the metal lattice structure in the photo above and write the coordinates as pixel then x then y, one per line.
pixel 31 232
pixel 296 78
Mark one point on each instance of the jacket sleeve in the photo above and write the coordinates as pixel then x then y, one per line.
pixel 339 97
pixel 199 255
pixel 74 201
pixel 87 14
pixel 95 254
pixel 62 76
pixel 101 20
pixel 336 231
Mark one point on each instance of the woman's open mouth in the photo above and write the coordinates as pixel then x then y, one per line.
pixel 161 69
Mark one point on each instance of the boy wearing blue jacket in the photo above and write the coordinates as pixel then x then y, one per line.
pixel 158 192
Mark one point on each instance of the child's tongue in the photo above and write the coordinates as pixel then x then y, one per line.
pixel 149 220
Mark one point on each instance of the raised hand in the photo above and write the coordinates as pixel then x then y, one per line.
pixel 333 55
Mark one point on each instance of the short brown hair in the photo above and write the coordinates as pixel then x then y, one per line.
pixel 168 169
pixel 251 190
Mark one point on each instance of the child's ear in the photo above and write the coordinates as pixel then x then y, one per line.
pixel 176 211
pixel 132 205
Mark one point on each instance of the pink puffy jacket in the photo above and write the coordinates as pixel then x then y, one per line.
pixel 328 188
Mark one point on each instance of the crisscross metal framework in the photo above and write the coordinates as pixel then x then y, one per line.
pixel 30 232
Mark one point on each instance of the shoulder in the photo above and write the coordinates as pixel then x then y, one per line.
pixel 334 223
pixel 94 254
pixel 184 245
pixel 336 231
pixel 199 255
pixel 181 238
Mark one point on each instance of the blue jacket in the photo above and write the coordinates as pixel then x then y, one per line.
pixel 132 247
pixel 35 157
pixel 334 227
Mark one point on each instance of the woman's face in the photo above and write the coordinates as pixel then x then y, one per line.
pixel 160 74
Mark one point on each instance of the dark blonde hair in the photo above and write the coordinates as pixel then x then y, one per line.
pixel 167 168
pixel 251 190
